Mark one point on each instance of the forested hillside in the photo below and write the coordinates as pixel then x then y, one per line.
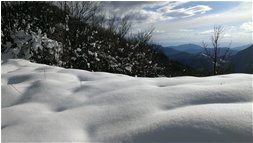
pixel 79 35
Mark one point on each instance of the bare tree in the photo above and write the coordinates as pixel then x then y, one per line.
pixel 218 59
pixel 145 37
pixel 82 10
pixel 112 23
pixel 124 27
pixel 118 25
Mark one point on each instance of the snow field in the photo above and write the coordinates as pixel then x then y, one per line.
pixel 43 103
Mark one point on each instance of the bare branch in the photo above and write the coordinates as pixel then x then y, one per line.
pixel 205 47
pixel 218 34
pixel 124 26
pixel 227 52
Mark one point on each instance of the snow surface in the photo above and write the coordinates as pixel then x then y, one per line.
pixel 43 103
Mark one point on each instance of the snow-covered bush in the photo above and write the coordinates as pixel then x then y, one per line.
pixel 33 46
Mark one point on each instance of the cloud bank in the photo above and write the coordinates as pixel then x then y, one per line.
pixel 185 22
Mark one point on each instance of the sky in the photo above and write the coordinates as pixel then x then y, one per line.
pixel 183 22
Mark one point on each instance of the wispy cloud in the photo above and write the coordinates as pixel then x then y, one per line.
pixel 169 6
pixel 186 12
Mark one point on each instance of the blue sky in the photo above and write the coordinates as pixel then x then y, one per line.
pixel 181 22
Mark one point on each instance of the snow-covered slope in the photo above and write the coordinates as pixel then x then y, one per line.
pixel 52 104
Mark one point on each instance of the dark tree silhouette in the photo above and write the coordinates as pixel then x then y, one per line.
pixel 218 59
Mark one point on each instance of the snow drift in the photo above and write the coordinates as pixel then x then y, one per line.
pixel 43 103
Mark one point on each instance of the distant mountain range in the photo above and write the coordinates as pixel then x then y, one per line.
pixel 196 49
pixel 240 48
pixel 189 48
pixel 242 62
pixel 192 55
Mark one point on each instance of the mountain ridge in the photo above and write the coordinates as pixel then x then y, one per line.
pixel 242 62
pixel 198 61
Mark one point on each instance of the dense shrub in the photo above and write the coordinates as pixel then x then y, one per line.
pixel 76 35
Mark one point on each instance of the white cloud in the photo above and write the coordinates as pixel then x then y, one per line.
pixel 197 9
pixel 169 6
pixel 204 24
pixel 207 31
pixel 241 13
pixel 247 27
pixel 210 32
pixel 227 35
pixel 186 30
pixel 137 10
pixel 159 31
pixel 188 12
pixel 145 17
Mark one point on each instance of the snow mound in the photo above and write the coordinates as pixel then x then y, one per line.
pixel 43 103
